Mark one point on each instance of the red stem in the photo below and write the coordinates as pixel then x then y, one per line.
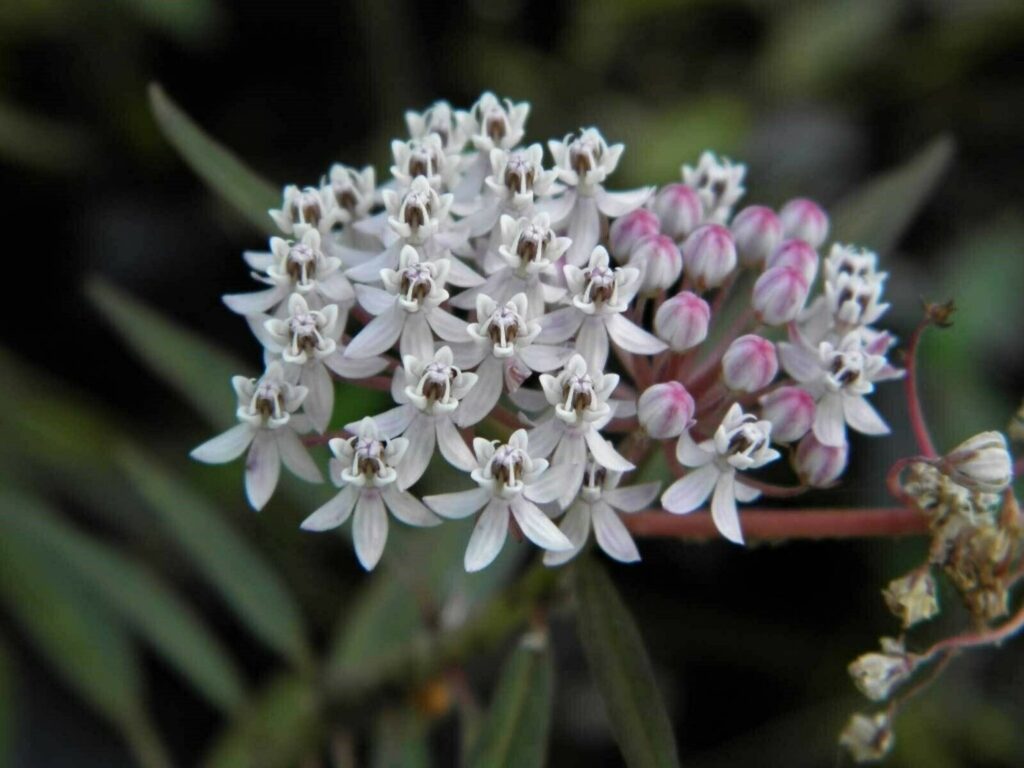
pixel 975 639
pixel 917 422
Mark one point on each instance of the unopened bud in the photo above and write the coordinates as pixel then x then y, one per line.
pixel 682 321
pixel 868 738
pixel 750 363
pixel 804 219
pixel 709 256
pixel 626 231
pixel 665 410
pixel 757 232
pixel 659 261
pixel 791 412
pixel 779 295
pixel 797 254
pixel 817 464
pixel 912 597
pixel 982 463
pixel 679 210
pixel 876 674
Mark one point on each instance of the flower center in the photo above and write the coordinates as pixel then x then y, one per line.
pixel 600 285
pixel 301 263
pixel 578 393
pixel 268 401
pixel 519 174
pixel 417 282
pixel 532 243
pixel 306 208
pixel 503 327
pixel 346 196
pixel 496 125
pixel 368 459
pixel 745 441
pixel 416 209
pixel 847 367
pixel 436 382
pixel 305 336
pixel 507 465
pixel 584 154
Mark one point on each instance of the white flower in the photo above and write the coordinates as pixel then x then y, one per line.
pixel 310 206
pixel 424 157
pixel 439 120
pixel 502 348
pixel 852 297
pixel 364 468
pixel 294 267
pixel 839 377
pixel 428 391
pixel 417 215
pixel 268 425
pixel 740 443
pixel 583 163
pixel 511 483
pixel 598 506
pixel 407 310
pixel 491 123
pixel 719 183
pixel 354 191
pixel 516 179
pixel 982 462
pixel 600 295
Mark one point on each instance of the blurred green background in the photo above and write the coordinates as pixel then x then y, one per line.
pixel 148 617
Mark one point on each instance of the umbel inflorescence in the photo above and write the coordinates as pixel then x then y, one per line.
pixel 491 292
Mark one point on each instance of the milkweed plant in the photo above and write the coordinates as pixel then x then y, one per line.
pixel 550 336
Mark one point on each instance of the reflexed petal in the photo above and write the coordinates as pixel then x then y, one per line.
pixel 226 446
pixel 417 340
pixel 334 512
pixel 262 469
pixel 605 453
pixel 258 260
pixel 354 367
pixel 612 536
pixel 296 457
pixel 575 526
pixel 370 529
pixel 617 204
pixel 447 326
pixel 458 505
pixel 530 400
pixel 483 396
pixel 255 303
pixel 319 402
pixel 559 208
pixel 337 288
pixel 592 343
pixel 690 454
pixel 632 498
pixel 374 300
pixel 488 536
pixel 378 335
pixel 391 423
pixel 453 447
pixel 745 493
pixel 421 436
pixel 690 491
pixel 537 526
pixel 829 422
pixel 799 362
pixel 723 508
pixel 462 276
pixel 861 416
pixel 559 325
pixel 584 231
pixel 369 271
pixel 257 325
pixel 542 358
pixel 632 338
pixel 544 437
pixel 550 484
pixel 408 508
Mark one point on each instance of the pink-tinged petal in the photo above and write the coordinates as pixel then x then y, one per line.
pixel 584 231
pixel 576 526
pixel 319 402
pixel 262 469
pixel 745 493
pixel 862 416
pixel 723 508
pixel 354 367
pixel 453 447
pixel 482 396
pixel 488 536
pixel 550 484
pixel 615 204
pixel 612 536
pixel 605 454
pixel 296 457
pixel 462 276
pixel 379 335
pixel 255 303
pixel 799 362
pixel 417 338
pixel 631 337
pixel 459 504
pixel 592 343
pixel 829 422
pixel 376 301
pixel 370 528
pixel 632 498
pixel 334 512
pixel 691 491
pixel 226 446
pixel 448 326
pixel 559 325
pixel 544 437
pixel 422 437
pixel 408 508
pixel 537 527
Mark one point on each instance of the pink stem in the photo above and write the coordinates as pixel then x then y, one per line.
pixel 917 422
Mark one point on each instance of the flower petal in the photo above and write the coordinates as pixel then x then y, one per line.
pixel 861 416
pixel 459 504
pixel 482 396
pixel 255 303
pixel 447 326
pixel 226 446
pixel 584 230
pixel 632 498
pixel 370 529
pixel 631 337
pixel 605 454
pixel 453 447
pixel 376 301
pixel 319 402
pixel 690 491
pixel 612 536
pixel 592 343
pixel 799 362
pixel 617 204
pixel 296 457
pixel 391 423
pixel 488 536
pixel 829 423
pixel 537 527
pixel 408 508
pixel 421 436
pixel 550 484
pixel 723 508
pixel 559 325
pixel 461 275
pixel 576 527
pixel 543 358
pixel 354 367
pixel 334 512
pixel 262 469
pixel 378 335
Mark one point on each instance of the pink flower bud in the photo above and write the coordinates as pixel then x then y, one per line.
pixel 817 464
pixel 709 256
pixel 757 232
pixel 779 295
pixel 665 410
pixel 626 231
pixel 682 321
pixel 659 261
pixel 750 363
pixel 804 219
pixel 791 412
pixel 797 254
pixel 679 209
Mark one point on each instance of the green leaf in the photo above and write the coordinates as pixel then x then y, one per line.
pixel 196 369
pixel 279 729
pixel 878 213
pixel 245 190
pixel 622 671
pixel 249 586
pixel 515 732
pixel 400 740
pixel 43 144
pixel 193 21
pixel 132 591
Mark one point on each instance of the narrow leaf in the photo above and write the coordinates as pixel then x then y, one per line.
pixel 515 731
pixel 622 671
pixel 196 369
pixel 132 591
pixel 245 190
pixel 249 586
pixel 383 617
pixel 878 214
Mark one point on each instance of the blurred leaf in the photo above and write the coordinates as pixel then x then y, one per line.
pixel 196 369
pixel 383 617
pixel 279 729
pixel 400 740
pixel 877 214
pixel 622 671
pixel 132 591
pixel 42 143
pixel 8 714
pixel 515 731
pixel 222 171
pixel 187 21
pixel 245 580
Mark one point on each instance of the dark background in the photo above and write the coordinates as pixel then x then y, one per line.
pixel 815 97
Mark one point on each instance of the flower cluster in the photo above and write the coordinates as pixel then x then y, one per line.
pixel 545 333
